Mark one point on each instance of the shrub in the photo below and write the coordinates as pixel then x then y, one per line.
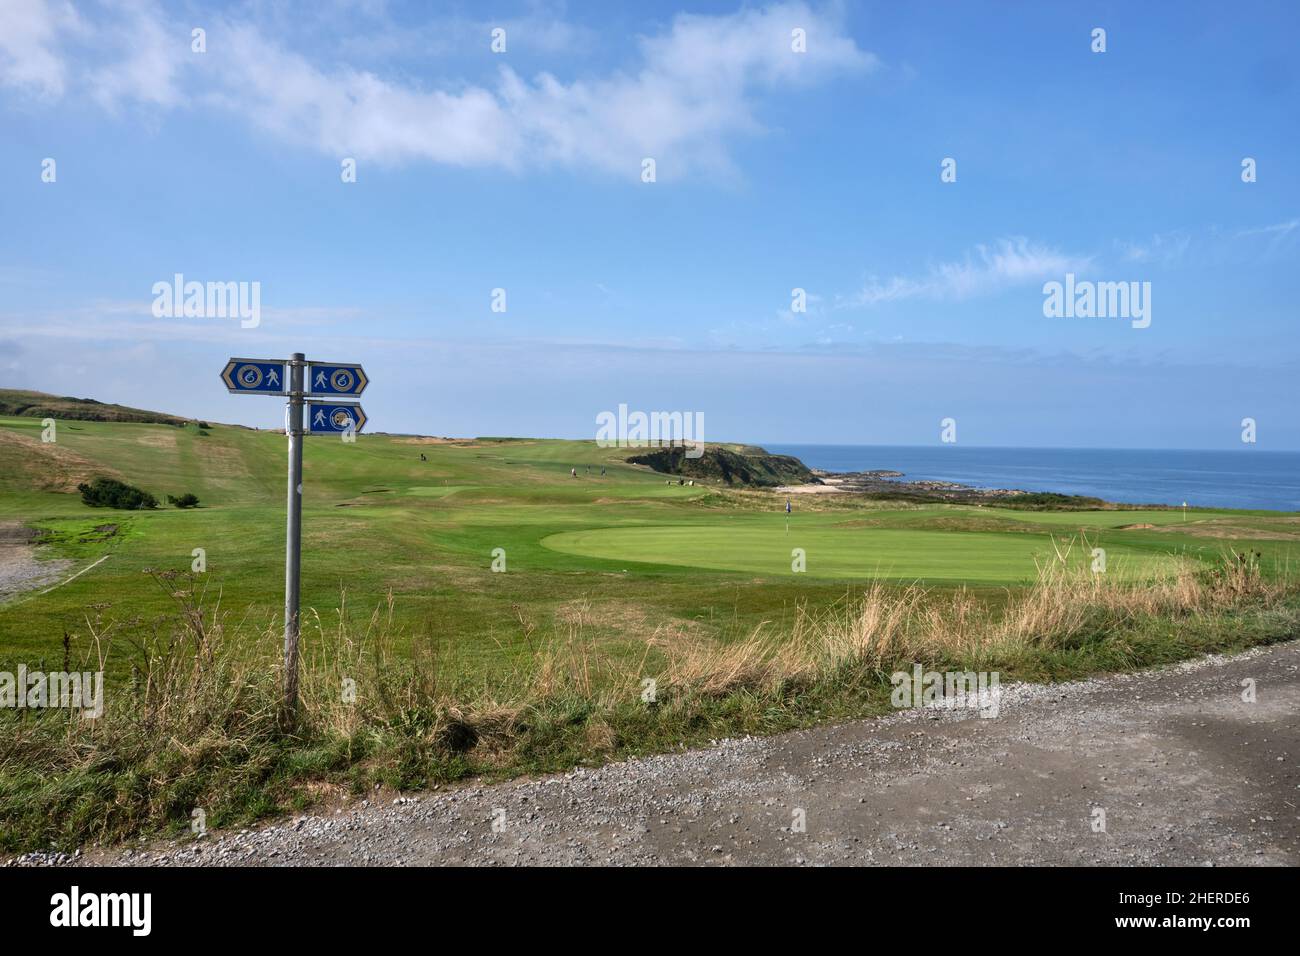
pixel 111 493
pixel 1050 500
pixel 187 500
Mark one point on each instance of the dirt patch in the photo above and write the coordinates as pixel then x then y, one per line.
pixel 636 501
pixel 19 568
pixel 157 439
pixel 338 534
pixel 628 619
pixel 50 466
pixel 1136 527
pixel 826 489
pixel 427 440
pixel 1227 532
pixel 222 461
pixel 953 523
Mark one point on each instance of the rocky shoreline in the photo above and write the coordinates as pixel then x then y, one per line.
pixel 894 483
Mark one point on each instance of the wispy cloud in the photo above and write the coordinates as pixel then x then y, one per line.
pixel 1278 230
pixel 150 55
pixel 690 91
pixel 1165 248
pixel 1183 247
pixel 30 35
pixel 984 270
pixel 542 32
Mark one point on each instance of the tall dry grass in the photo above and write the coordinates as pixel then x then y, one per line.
pixel 193 718
pixel 197 684
pixel 886 627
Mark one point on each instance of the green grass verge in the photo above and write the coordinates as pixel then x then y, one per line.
pixel 639 561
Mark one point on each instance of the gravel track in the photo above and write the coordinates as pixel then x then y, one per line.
pixel 20 570
pixel 1186 772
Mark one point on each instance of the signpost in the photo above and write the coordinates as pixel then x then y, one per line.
pixel 332 418
pixel 335 380
pixel 254 376
pixel 316 379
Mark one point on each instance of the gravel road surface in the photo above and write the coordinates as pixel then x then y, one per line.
pixel 19 569
pixel 1185 770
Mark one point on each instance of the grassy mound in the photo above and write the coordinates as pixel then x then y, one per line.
pixel 15 401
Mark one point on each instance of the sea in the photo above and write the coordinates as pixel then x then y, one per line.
pixel 1246 478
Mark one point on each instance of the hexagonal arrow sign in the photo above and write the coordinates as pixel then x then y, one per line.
pixel 335 380
pixel 254 376
pixel 332 418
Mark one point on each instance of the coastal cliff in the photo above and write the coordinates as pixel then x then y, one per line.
pixel 729 464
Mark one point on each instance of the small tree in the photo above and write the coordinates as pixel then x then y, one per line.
pixel 111 493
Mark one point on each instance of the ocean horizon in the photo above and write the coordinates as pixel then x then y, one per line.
pixel 1249 478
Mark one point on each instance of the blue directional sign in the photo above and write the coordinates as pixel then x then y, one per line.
pixel 254 376
pixel 331 418
pixel 295 379
pixel 335 380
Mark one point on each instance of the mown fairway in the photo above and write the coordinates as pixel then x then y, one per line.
pixel 627 554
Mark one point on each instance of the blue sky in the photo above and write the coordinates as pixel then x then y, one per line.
pixel 775 170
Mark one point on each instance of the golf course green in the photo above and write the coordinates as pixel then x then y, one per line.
pixel 628 551
pixel 499 607
pixel 766 547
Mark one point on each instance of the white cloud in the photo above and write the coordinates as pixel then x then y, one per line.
pixel 154 53
pixel 985 270
pixel 1210 246
pixel 1163 247
pixel 1278 231
pixel 694 88
pixel 30 32
pixel 355 113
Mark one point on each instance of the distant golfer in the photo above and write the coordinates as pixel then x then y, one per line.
pixel 787 505
pixel 573 472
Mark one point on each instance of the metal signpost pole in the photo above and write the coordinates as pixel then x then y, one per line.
pixel 293 537
pixel 338 382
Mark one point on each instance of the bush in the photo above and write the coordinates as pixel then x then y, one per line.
pixel 1050 500
pixel 111 493
pixel 187 500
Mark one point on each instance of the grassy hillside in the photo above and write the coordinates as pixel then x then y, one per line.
pixel 608 578
pixel 15 401
pixel 639 555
